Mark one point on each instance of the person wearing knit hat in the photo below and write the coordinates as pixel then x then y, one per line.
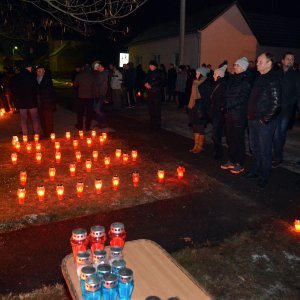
pixel 217 105
pixel 243 63
pixel 236 99
pixel 197 108
pixel 220 72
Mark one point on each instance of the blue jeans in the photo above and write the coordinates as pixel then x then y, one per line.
pixel 280 137
pixel 34 117
pixel 261 139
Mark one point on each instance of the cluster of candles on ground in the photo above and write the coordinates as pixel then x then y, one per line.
pixel 2 112
pixel 101 275
pixel 41 190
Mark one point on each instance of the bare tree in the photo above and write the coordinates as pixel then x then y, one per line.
pixel 19 19
pixel 80 14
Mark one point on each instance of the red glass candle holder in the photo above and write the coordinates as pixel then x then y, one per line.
pixel 161 176
pixel 14 158
pixel 180 172
pixel 134 155
pixel 106 161
pixel 95 155
pixel 125 157
pixel 52 172
pixel 60 191
pixel 97 238
pixel 81 134
pixel 52 137
pixel 89 142
pixel 98 185
pixel 36 138
pixel 68 135
pixel 78 156
pixel 117 234
pixel 28 147
pixel 135 179
pixel 21 195
pixel 57 157
pixel 38 157
pixel 116 182
pixel 118 153
pixel 79 241
pixel 23 178
pixel 57 146
pixel 79 189
pixel 25 139
pixel 88 165
pixel 297 225
pixel 40 190
pixel 75 144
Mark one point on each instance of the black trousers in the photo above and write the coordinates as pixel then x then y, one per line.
pixel 154 108
pixel 235 134
pixel 218 121
pixel 84 106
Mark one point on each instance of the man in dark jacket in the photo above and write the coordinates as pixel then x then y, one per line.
pixel 46 97
pixel 263 108
pixel 84 81
pixel 290 92
pixel 24 88
pixel 236 99
pixel 153 86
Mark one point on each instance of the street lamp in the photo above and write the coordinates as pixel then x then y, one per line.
pixel 13 52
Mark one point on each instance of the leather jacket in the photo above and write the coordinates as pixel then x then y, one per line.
pixel 264 101
pixel 155 80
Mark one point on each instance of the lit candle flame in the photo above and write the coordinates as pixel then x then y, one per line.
pixel 60 191
pixel 52 172
pixel 98 185
pixel 40 190
pixel 23 177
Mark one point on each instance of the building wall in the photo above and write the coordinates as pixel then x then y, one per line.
pixel 165 51
pixel 278 52
pixel 228 37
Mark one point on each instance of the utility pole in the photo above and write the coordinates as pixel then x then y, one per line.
pixel 182 31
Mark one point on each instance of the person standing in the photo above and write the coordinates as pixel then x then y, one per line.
pixel 290 86
pixel 263 109
pixel 116 87
pixel 217 108
pixel 196 109
pixel 171 82
pixel 153 84
pixel 180 86
pixel 236 99
pixel 24 87
pixel 100 87
pixel 84 81
pixel 46 98
pixel 129 83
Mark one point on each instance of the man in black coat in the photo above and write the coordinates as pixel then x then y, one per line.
pixel 290 85
pixel 46 97
pixel 24 87
pixel 263 109
pixel 153 85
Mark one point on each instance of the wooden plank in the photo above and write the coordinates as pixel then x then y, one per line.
pixel 155 273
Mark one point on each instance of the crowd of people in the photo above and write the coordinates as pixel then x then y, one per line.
pixel 259 98
pixel 29 91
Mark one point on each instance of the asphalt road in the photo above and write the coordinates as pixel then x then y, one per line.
pixel 31 257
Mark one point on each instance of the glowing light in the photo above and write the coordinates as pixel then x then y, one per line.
pixel 57 157
pixel 68 135
pixel 81 134
pixel 118 153
pixel 38 147
pixel 36 138
pixel 107 161
pixel 98 185
pixel 28 148
pixel 88 165
pixel 89 142
pixel 52 172
pixel 40 190
pixel 95 155
pixel 14 158
pixel 78 156
pixel 75 144
pixel 72 169
pixel 125 158
pixel 134 155
pixel 60 191
pixel 93 133
pixel 116 182
pixel 25 139
pixel 52 137
pixel 17 146
pixel 297 225
pixel 23 177
pixel 104 135
pixel 38 157
pixel 180 172
pixel 135 179
pixel 21 195
pixel 14 140
pixel 161 175
pixel 79 188
pixel 57 146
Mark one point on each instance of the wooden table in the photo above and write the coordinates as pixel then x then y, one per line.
pixel 155 273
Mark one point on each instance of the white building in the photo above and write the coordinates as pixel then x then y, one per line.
pixel 219 33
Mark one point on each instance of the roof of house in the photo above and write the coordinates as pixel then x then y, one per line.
pixel 269 30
